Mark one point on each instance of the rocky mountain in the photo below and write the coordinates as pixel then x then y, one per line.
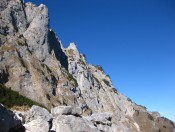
pixel 79 97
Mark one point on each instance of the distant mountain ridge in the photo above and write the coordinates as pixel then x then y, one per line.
pixel 80 96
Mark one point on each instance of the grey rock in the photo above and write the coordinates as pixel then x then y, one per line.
pixel 36 113
pixel 12 18
pixel 37 125
pixel 69 123
pixel 34 63
pixel 37 119
pixel 66 110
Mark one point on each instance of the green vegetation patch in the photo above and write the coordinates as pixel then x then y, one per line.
pixel 21 42
pixel 106 82
pixel 129 99
pixel 10 98
pixel 99 68
pixel 6 48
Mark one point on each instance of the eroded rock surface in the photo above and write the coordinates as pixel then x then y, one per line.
pixel 81 96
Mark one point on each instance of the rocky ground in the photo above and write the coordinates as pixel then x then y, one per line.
pixel 79 96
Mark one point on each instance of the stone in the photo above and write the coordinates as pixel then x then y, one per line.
pixel 101 118
pixel 38 125
pixel 36 113
pixel 69 123
pixel 38 120
pixel 66 110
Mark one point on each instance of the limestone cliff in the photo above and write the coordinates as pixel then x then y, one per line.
pixel 81 96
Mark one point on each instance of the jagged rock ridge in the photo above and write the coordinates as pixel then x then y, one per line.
pixel 34 63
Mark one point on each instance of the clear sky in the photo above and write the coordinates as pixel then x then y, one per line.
pixel 133 40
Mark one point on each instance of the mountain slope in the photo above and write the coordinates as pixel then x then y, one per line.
pixel 34 63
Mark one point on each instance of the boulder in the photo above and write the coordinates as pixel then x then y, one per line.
pixel 38 120
pixel 69 123
pixel 36 113
pixel 38 125
pixel 101 118
pixel 66 110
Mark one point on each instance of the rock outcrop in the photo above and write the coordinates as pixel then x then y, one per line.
pixel 9 121
pixel 81 96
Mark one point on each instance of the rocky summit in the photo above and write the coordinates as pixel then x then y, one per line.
pixel 45 87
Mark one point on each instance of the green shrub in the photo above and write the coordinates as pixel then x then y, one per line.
pixel 21 42
pixel 99 68
pixel 106 82
pixel 10 98
pixel 129 99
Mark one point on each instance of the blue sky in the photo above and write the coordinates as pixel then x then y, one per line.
pixel 134 41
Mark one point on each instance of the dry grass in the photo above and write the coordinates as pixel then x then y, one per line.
pixel 6 48
pixel 70 52
pixel 87 112
pixel 21 108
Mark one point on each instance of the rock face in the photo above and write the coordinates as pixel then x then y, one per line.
pixel 66 110
pixel 9 122
pixel 81 96
pixel 37 119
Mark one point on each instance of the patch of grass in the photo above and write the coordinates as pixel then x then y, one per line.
pixel 12 99
pixel 108 76
pixel 99 68
pixel 129 99
pixel 70 52
pixel 106 82
pixel 20 108
pixel 21 42
pixel 7 48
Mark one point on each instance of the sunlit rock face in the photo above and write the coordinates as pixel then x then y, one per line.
pixel 81 96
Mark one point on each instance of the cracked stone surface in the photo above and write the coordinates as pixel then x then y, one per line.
pixel 81 96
